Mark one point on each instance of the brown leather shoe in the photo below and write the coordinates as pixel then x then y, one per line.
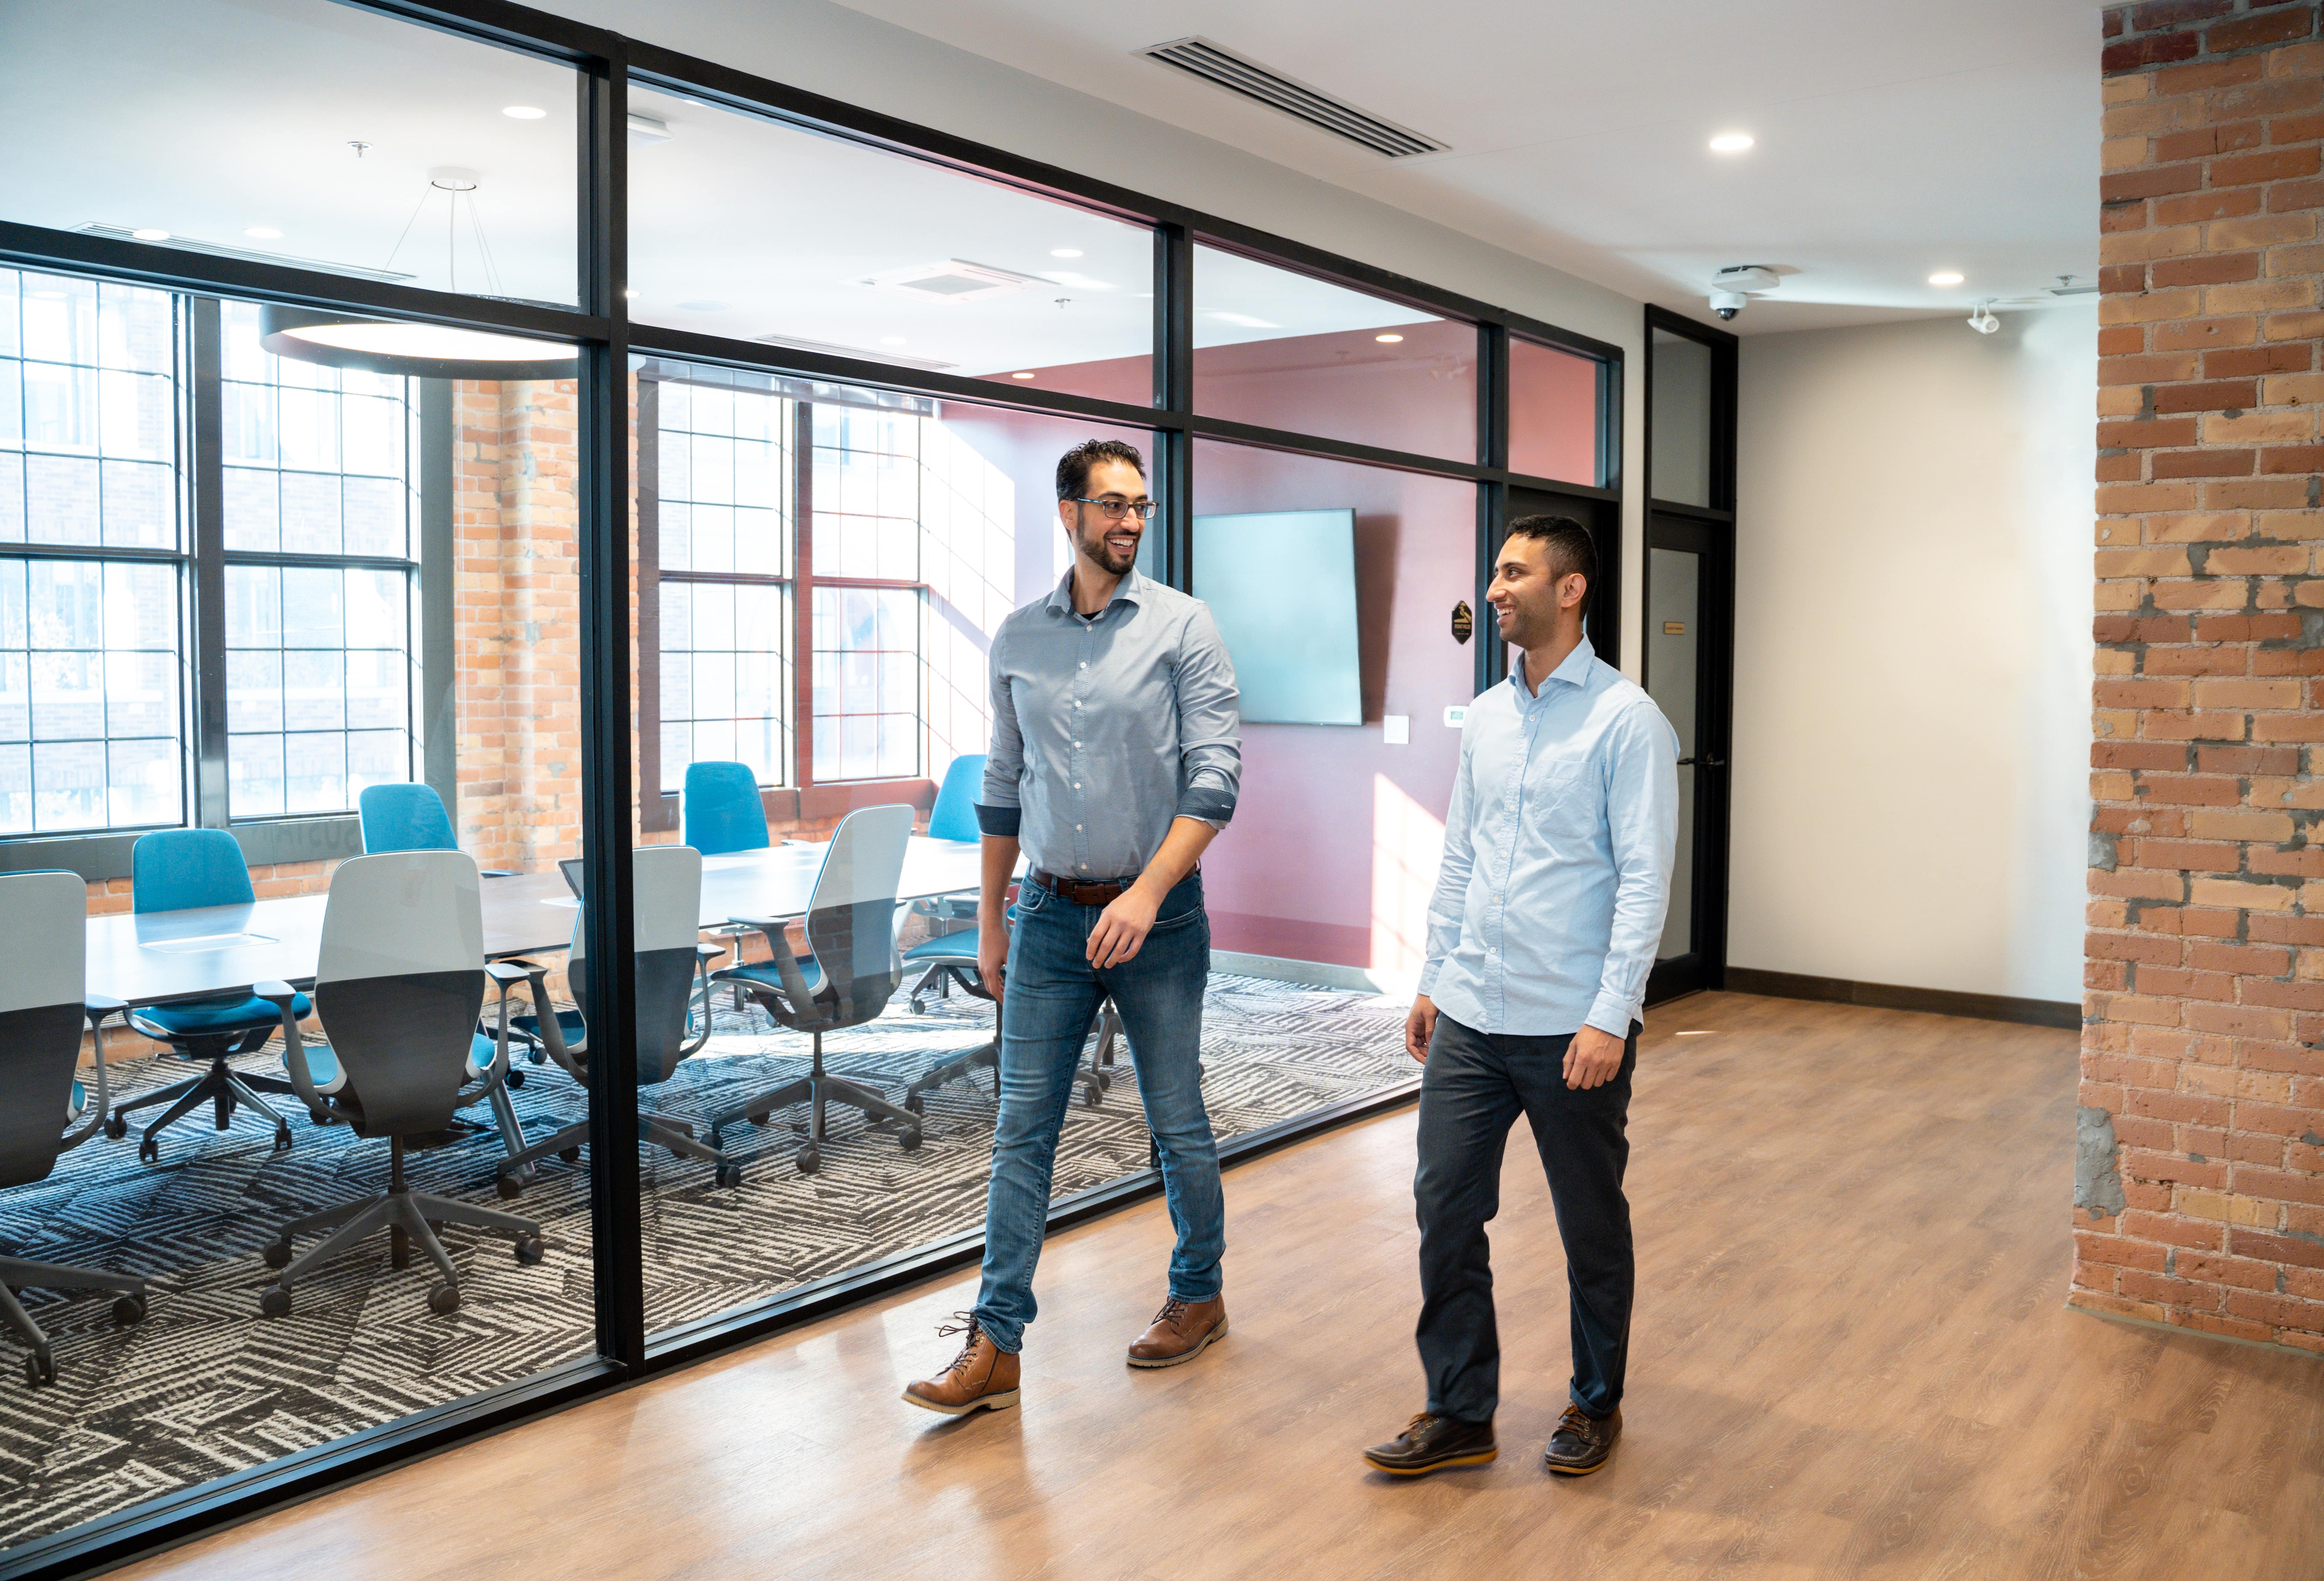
pixel 983 1377
pixel 1181 1331
pixel 1583 1442
pixel 1431 1442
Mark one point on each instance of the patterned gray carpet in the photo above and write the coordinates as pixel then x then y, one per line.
pixel 206 1386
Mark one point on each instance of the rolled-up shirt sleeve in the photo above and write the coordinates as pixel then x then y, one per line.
pixel 1451 901
pixel 1210 724
pixel 998 810
pixel 1641 768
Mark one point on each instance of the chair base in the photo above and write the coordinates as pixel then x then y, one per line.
pixel 223 1087
pixel 516 1171
pixel 1095 1080
pixel 818 1089
pixel 19 1273
pixel 409 1217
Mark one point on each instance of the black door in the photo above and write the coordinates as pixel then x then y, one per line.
pixel 1690 656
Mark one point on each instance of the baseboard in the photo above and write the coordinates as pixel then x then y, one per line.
pixel 2182 1332
pixel 1314 974
pixel 2000 1007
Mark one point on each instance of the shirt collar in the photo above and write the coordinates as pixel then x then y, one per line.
pixel 1573 671
pixel 1130 590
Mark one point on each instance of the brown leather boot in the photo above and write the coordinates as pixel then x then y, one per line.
pixel 983 1377
pixel 1181 1331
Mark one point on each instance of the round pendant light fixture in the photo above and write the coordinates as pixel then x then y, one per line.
pixel 418 351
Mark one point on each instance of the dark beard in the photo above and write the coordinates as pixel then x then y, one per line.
pixel 1101 554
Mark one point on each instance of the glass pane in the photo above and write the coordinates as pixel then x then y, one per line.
pixel 1674 632
pixel 1287 351
pixel 297 130
pixel 89 437
pixel 749 228
pixel 1680 421
pixel 91 695
pixel 1553 417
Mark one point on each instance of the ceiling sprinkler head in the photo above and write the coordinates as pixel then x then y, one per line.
pixel 359 148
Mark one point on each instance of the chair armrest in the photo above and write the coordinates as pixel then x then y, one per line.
pixel 498 872
pixel 794 981
pixel 544 1015
pixel 509 974
pixel 98 1006
pixel 710 952
pixel 294 1051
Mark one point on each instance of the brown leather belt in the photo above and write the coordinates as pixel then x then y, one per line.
pixel 1082 892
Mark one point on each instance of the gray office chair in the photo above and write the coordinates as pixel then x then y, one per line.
pixel 43 1003
pixel 666 909
pixel 398 985
pixel 844 980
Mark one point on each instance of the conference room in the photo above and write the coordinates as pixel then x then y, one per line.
pixel 385 642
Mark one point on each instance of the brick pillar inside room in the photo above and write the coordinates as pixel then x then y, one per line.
pixel 2198 1201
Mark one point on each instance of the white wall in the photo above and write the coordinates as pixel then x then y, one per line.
pixel 1912 653
pixel 830 50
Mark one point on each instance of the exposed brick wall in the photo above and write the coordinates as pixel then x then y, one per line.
pixel 2198 1198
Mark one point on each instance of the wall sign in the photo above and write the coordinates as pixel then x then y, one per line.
pixel 1463 622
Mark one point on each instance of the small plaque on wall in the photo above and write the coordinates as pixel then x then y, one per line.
pixel 1465 624
pixel 1674 628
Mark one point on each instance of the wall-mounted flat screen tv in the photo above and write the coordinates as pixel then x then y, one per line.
pixel 1282 585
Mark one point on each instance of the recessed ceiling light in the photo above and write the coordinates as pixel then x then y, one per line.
pixel 265 232
pixel 1946 277
pixel 150 235
pixel 891 340
pixel 628 296
pixel 1020 375
pixel 1730 143
pixel 1065 252
pixel 1388 339
pixel 524 113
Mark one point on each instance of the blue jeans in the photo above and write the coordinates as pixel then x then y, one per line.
pixel 1053 994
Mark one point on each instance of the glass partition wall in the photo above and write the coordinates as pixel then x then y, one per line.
pixel 551 429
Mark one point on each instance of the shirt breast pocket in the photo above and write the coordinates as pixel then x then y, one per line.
pixel 1562 802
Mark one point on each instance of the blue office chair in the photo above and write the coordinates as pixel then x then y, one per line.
pixel 402 817
pixel 954 818
pixel 722 810
pixel 44 1005
pixel 954 815
pixel 177 869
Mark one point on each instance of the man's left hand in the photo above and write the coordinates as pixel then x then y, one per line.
pixel 1122 927
pixel 1592 1059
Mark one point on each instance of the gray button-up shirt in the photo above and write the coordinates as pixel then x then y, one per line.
pixel 1107 727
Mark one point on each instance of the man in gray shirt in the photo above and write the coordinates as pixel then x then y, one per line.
pixel 1116 758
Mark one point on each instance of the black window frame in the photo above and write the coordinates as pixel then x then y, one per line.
pixel 604 63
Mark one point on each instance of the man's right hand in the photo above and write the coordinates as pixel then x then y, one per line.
pixel 993 950
pixel 1419 1027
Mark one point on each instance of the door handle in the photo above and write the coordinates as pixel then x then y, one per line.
pixel 1710 762
pixel 1685 762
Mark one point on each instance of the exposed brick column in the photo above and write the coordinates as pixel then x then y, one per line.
pixel 2198 1197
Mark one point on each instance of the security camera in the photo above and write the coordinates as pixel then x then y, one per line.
pixel 1730 287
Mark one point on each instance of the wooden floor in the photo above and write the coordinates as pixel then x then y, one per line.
pixel 1851 1358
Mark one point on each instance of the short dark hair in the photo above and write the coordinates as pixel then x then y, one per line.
pixel 1074 466
pixel 1570 549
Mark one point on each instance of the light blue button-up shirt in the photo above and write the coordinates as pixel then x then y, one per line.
pixel 1557 856
pixel 1106 727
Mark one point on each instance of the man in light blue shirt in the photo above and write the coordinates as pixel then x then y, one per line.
pixel 1542 932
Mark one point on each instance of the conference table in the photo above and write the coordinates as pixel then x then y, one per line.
pixel 153 957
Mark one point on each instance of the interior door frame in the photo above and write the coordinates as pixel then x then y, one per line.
pixel 1709 532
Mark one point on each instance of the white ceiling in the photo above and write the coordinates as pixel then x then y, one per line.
pixel 1894 140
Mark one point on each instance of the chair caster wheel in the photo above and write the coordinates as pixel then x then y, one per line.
pixel 809 1161
pixel 530 1249
pixel 40 1367
pixel 283 1139
pixel 277 1253
pixel 760 1118
pixel 571 1155
pixel 910 1140
pixel 1092 1096
pixel 915 1103
pixel 443 1301
pixel 129 1310
pixel 149 1152
pixel 274 1301
pixel 730 1174
pixel 515 1078
pixel 509 1187
pixel 115 1127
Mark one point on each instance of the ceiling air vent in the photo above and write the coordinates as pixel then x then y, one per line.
pixel 121 233
pixel 1207 60
pixel 956 279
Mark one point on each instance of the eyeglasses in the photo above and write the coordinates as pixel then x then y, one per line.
pixel 1115 510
